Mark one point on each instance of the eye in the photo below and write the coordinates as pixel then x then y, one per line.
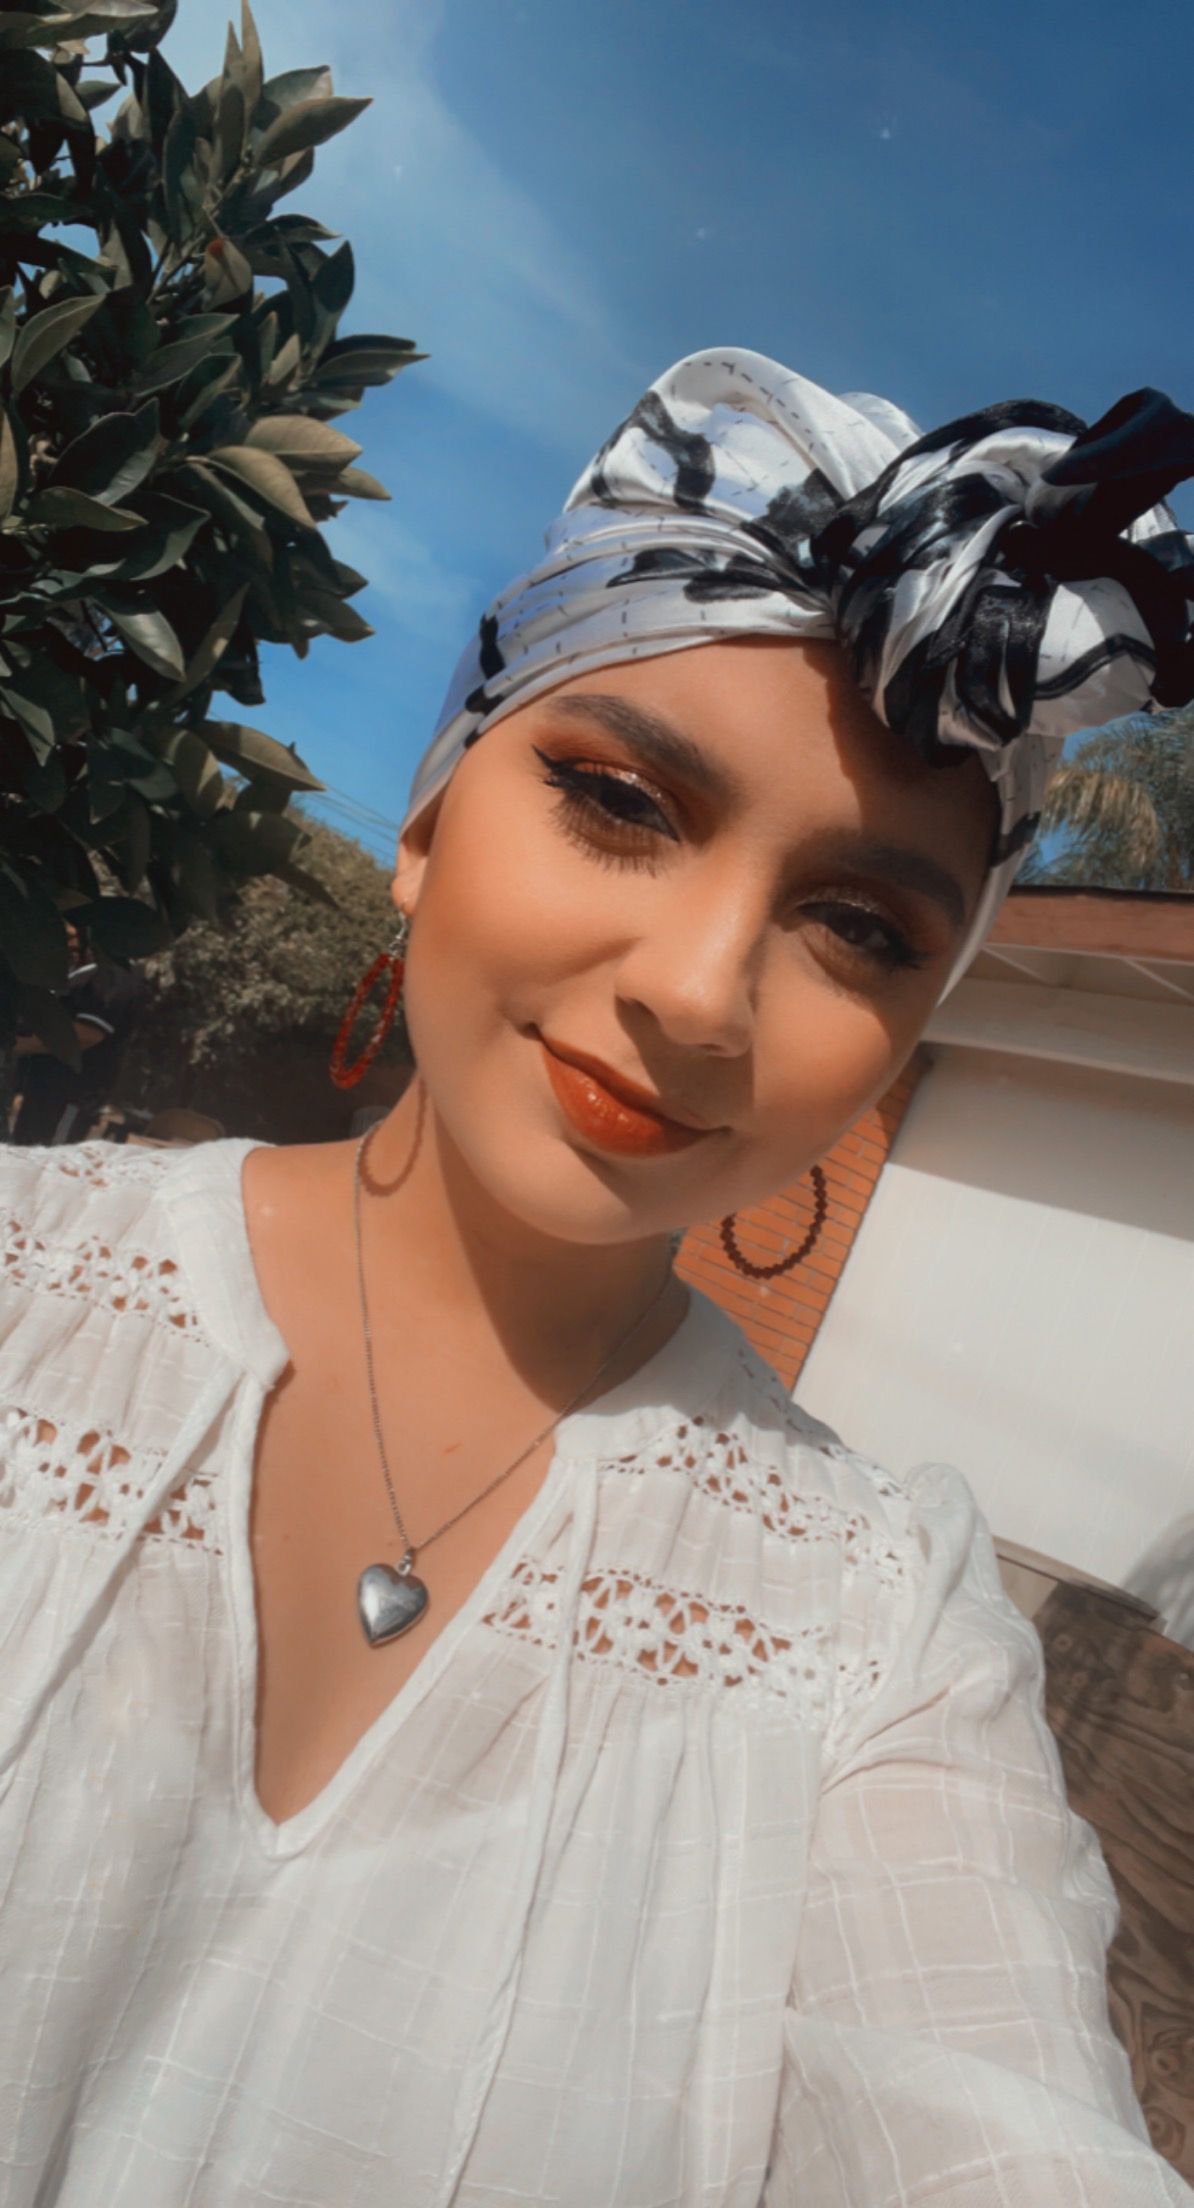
pixel 865 931
pixel 608 809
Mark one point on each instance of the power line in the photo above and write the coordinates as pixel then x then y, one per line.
pixel 345 798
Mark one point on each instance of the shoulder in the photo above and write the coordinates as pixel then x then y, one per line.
pixel 86 1214
pixel 126 1293
pixel 907 1558
pixel 77 1189
pixel 906 1532
pixel 792 1459
pixel 120 1241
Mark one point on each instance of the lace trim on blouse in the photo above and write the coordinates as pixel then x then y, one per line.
pixel 669 1635
pixel 82 1474
pixel 128 1279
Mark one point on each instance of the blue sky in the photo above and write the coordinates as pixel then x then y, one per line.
pixel 944 202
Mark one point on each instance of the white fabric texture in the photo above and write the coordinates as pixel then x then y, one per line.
pixel 715 1856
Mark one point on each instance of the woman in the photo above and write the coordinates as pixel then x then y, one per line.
pixel 465 1735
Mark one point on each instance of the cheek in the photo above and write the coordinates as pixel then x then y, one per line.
pixel 497 914
pixel 827 1061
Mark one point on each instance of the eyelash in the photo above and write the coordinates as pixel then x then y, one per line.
pixel 596 799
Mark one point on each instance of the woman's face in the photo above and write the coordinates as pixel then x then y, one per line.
pixel 676 924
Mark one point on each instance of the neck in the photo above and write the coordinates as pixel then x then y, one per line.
pixel 555 1307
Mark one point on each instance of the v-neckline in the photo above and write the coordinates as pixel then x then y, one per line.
pixel 289 1836
pixel 207 1200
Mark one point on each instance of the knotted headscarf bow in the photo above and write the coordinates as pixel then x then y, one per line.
pixel 995 585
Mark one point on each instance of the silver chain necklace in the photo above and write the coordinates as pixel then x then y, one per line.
pixel 391 1598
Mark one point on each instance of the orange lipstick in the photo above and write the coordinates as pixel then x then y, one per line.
pixel 613 1113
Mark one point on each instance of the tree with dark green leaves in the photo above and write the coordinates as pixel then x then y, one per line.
pixel 1122 808
pixel 170 370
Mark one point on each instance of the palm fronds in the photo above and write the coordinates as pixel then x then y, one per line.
pixel 1122 808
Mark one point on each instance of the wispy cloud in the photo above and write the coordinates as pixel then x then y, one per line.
pixel 422 594
pixel 449 249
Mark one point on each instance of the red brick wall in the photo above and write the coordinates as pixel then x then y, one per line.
pixel 781 1316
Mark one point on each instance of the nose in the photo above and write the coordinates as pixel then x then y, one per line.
pixel 694 965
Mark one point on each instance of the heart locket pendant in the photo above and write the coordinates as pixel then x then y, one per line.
pixel 389 1602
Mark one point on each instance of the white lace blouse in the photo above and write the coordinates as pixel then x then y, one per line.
pixel 714 1855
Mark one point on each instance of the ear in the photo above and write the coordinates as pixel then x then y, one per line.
pixel 414 850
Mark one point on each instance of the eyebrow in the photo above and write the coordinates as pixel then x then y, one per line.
pixel 657 741
pixel 661 744
pixel 903 868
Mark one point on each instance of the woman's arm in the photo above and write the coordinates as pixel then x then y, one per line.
pixel 947 2039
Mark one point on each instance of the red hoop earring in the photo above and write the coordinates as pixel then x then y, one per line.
pixel 794 1257
pixel 392 961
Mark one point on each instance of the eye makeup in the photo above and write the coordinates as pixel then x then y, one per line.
pixel 618 817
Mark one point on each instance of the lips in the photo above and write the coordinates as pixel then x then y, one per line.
pixel 611 1112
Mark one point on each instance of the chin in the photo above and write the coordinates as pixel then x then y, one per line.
pixel 553 1189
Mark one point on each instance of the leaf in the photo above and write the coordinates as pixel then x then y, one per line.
pixel 331 617
pixel 285 362
pixel 8 323
pixel 44 1015
pixel 293 86
pixel 289 230
pixel 307 884
pixel 310 123
pixel 252 752
pixel 60 507
pixel 125 333
pixel 255 843
pixel 44 336
pixel 18 26
pixel 234 513
pixel 205 325
pixel 136 841
pixel 367 347
pixel 251 62
pixel 196 874
pixel 226 273
pixel 124 927
pixel 356 483
pixel 356 364
pixel 300 440
pixel 10 466
pixel 32 934
pixel 268 476
pixel 150 636
pixel 195 771
pixel 50 703
pixel 210 389
pixel 122 762
pixel 172 362
pixel 228 144
pixel 101 16
pixel 334 281
pixel 112 457
pixel 44 780
pixel 106 778
pixel 206 659
pixel 32 716
pixel 31 86
pixel 92 92
pixel 169 531
pixel 180 185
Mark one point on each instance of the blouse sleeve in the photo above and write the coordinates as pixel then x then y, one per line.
pixel 947 2039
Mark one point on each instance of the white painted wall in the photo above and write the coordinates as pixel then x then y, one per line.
pixel 1020 1302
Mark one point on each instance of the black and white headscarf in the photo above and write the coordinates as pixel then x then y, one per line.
pixel 995 585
